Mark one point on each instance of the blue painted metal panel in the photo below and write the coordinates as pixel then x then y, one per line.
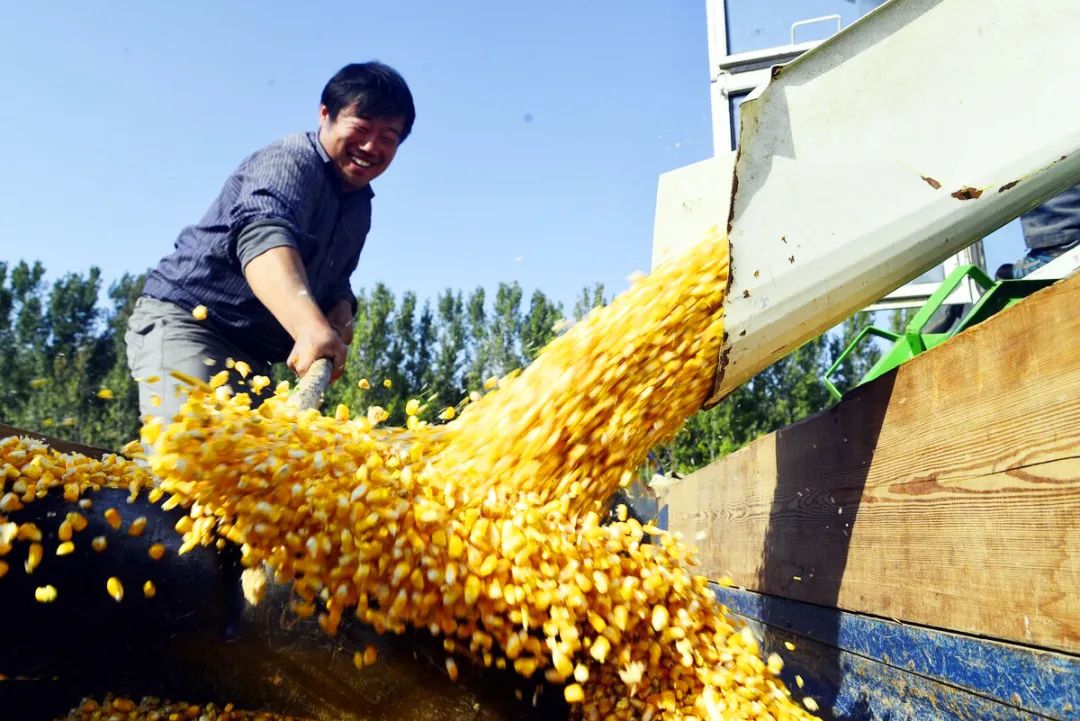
pixel 854 661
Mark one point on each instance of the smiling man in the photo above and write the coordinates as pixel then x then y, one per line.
pixel 264 276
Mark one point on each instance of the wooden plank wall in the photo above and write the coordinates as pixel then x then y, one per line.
pixel 946 493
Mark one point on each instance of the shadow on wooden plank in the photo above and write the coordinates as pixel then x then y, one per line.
pixel 809 529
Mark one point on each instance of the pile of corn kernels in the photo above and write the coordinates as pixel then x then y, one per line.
pixel 152 709
pixel 487 530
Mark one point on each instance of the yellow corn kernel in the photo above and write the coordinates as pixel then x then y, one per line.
pixel 113 517
pixel 33 557
pixel 105 394
pixel 448 413
pixel 149 590
pixel 65 548
pixel 412 407
pixel 388 383
pixel 199 312
pixel 799 681
pixel 45 594
pixel 660 618
pixel 242 368
pixel 99 543
pixel 363 384
pixel 451 669
pixel 775 664
pixel 77 523
pixel 115 588
pixel 219 379
pixel 490 383
pixel 137 526
pixel 258 384
pixel 600 648
pixel 371 655
pixel 157 551
pixel 3 568
pixel 810 704
pixel 38 383
pixel 574 693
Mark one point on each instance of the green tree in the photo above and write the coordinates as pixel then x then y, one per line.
pixel 538 326
pixel 505 329
pixel 450 354
pixel 479 362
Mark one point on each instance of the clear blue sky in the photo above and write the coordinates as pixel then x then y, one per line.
pixel 541 129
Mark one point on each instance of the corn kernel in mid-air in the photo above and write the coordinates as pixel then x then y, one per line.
pixel 448 413
pixel 45 594
pixel 99 543
pixel 199 312
pixel 65 548
pixel 33 557
pixel 371 655
pixel 451 669
pixel 157 551
pixel 113 517
pixel 105 394
pixel 412 407
pixel 363 384
pixel 149 590
pixel 137 526
pixel 243 369
pixel 388 383
pixel 574 693
pixel 115 588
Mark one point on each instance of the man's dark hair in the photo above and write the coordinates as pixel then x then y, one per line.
pixel 377 90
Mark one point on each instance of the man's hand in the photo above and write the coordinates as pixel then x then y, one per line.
pixel 341 320
pixel 278 280
pixel 315 342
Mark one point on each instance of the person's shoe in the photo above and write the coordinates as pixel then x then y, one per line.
pixel 1032 261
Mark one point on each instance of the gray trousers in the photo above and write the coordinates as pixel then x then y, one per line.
pixel 163 337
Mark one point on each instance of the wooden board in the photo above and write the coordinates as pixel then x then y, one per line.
pixel 946 493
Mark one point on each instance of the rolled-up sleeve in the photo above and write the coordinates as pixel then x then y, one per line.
pixel 261 236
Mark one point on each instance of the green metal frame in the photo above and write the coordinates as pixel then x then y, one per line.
pixel 996 297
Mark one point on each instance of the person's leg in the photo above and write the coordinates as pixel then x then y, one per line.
pixel 1049 230
pixel 163 337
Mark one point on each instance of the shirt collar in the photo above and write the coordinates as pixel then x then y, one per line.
pixel 366 192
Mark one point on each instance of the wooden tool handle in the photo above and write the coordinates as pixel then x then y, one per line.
pixel 309 391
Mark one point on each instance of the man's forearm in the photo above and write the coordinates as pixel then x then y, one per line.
pixel 278 280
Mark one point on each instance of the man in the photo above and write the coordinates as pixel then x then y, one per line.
pixel 1049 230
pixel 264 276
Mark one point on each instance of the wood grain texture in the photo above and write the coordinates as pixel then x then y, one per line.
pixel 946 493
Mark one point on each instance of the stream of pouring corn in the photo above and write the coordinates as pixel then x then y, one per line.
pixel 487 530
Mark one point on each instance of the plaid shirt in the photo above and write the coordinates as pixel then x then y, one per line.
pixel 289 185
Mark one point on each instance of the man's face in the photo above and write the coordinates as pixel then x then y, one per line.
pixel 361 148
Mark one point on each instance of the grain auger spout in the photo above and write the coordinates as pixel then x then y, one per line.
pixel 875 156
